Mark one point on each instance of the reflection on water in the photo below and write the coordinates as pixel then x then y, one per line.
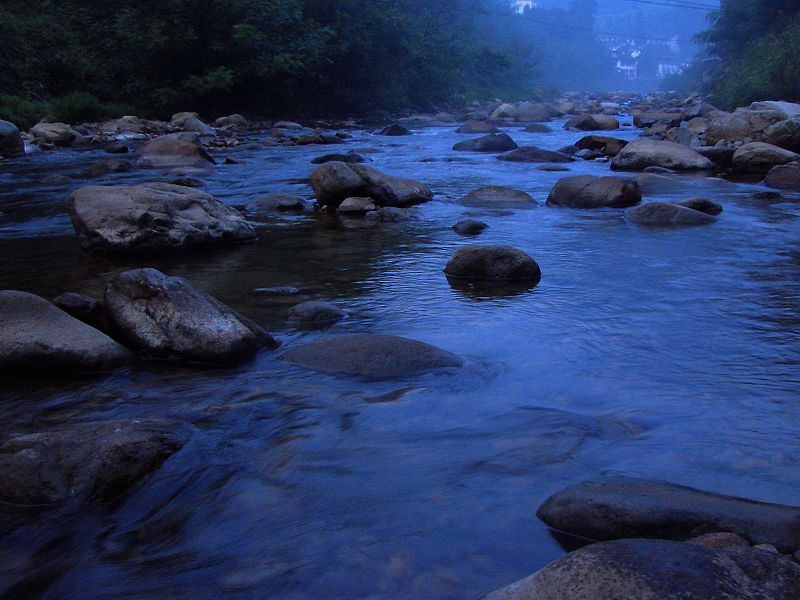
pixel 667 354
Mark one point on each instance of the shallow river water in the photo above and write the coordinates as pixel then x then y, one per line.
pixel 669 354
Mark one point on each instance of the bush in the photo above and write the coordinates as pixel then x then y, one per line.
pixel 82 107
pixel 23 113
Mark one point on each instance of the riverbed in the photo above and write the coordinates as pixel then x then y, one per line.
pixel 659 353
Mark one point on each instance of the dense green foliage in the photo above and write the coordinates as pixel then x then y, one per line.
pixel 260 56
pixel 758 45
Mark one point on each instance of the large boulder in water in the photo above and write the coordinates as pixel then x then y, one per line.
pixel 784 177
pixel 660 570
pixel 588 191
pixel 235 120
pixel 667 214
pixel 38 337
pixel 495 196
pixel 335 181
pixel 592 123
pixel 58 134
pixel 91 461
pixel 607 146
pixel 494 142
pixel 153 216
pixel 477 127
pixel 371 356
pixel 167 317
pixel 784 134
pixel 174 150
pixel 315 314
pixel 496 264
pixel 619 507
pixel 11 143
pixel 534 154
pixel 758 157
pixel 640 154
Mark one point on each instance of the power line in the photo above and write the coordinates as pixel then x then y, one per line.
pixel 676 4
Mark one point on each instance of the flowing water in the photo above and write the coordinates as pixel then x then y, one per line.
pixel 668 354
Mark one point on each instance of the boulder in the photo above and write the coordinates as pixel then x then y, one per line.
pixel 496 264
pixel 758 157
pixel 356 206
pixel 315 314
pixel 592 123
pixel 534 154
pixel 350 157
pixel 639 154
pixel 698 125
pixel 537 128
pixel 91 461
pixel 784 177
pixel 195 125
pixel 702 204
pixel 469 227
pixel 371 355
pixel 11 143
pixel 394 129
pixel 648 119
pixel 784 134
pixel 494 142
pixel 167 317
pixel 153 216
pixel 38 337
pixel 333 182
pixel 116 148
pixel 531 111
pixel 232 121
pixel 280 202
pixel 636 569
pixel 58 134
pixel 477 127
pixel 504 111
pixel 667 214
pixel 588 191
pixel 84 308
pixel 619 507
pixel 607 146
pixel 719 155
pixel 495 196
pixel 174 150
pixel 109 165
pixel 787 110
pixel 126 124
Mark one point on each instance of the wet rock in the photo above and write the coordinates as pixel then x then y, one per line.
pixel 469 227
pixel 618 507
pixel 109 165
pixel 335 181
pixel 125 124
pixel 494 142
pixel 195 125
pixel 533 154
pixel 91 461
pixel 667 214
pixel 187 182
pixel 537 128
pixel 11 143
pixel 702 204
pixel 719 155
pixel 649 119
pixel 394 129
pixel 758 157
pixel 58 134
pixel 87 309
pixel 153 216
pixel 167 317
pixel 38 337
pixel 493 264
pixel 232 121
pixel 371 356
pixel 588 155
pixel 495 196
pixel 350 157
pixel 356 206
pixel 640 154
pixel 720 540
pixel 551 168
pixel 588 191
pixel 784 134
pixel 659 570
pixel 592 123
pixel 784 177
pixel 607 146
pixel 279 202
pixel 315 314
pixel 477 127
pixel 659 170
pixel 388 215
pixel 116 148
pixel 174 150
pixel 291 125
pixel 523 111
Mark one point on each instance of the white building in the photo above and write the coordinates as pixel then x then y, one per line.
pixel 521 6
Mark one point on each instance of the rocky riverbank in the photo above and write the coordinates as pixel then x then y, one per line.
pixel 719 545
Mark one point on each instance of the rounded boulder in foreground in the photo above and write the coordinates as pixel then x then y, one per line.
pixel 371 355
pixel 495 264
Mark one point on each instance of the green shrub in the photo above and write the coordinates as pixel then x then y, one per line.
pixel 23 113
pixel 82 107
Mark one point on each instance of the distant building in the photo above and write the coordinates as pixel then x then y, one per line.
pixel 521 6
pixel 665 57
